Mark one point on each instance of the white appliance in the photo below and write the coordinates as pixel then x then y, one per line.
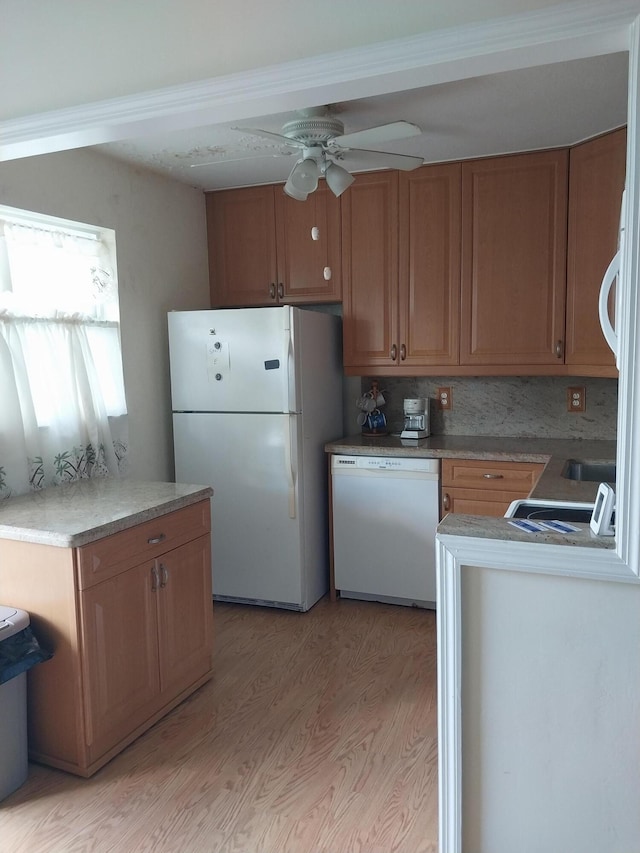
pixel 385 514
pixel 256 393
pixel 612 274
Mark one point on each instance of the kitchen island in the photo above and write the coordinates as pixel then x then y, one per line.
pixel 116 577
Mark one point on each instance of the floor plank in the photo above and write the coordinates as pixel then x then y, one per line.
pixel 316 735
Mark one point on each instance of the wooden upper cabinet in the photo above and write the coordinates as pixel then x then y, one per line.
pixel 242 246
pixel 429 273
pixel 370 270
pixel 308 247
pixel 596 182
pixel 261 249
pixel 514 260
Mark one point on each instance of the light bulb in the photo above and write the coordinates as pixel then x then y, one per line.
pixel 304 176
pixel 338 179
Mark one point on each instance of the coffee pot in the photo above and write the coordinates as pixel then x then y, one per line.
pixel 416 418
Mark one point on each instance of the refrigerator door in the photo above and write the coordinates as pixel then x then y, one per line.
pixel 251 461
pixel 227 360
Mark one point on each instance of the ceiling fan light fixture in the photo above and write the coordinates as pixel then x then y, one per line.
pixel 338 179
pixel 294 192
pixel 304 176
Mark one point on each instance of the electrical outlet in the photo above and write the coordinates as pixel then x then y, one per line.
pixel 445 400
pixel 576 398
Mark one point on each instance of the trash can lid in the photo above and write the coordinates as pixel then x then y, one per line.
pixel 12 620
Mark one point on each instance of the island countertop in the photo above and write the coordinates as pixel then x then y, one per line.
pixel 74 514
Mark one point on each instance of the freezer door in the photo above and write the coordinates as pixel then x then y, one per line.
pixel 251 462
pixel 232 360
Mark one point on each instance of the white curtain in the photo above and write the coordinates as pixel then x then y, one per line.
pixel 62 403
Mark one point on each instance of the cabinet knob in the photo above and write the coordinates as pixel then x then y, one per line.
pixel 559 349
pixel 394 352
pixel 446 502
pixel 281 290
pixel 272 290
pixel 403 352
pixel 493 476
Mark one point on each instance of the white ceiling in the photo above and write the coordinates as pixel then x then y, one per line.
pixel 540 107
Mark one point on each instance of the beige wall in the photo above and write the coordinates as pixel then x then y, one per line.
pixel 550 713
pixel 162 265
pixel 54 55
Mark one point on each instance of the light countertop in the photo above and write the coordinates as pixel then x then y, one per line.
pixel 551 485
pixel 77 513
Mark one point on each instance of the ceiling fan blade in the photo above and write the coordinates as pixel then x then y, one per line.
pixel 375 135
pixel 283 140
pixel 383 159
pixel 223 160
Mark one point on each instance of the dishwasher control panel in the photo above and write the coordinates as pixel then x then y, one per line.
pixel 386 463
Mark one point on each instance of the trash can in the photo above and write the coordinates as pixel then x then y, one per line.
pixel 19 651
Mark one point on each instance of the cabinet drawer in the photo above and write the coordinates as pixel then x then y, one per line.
pixel 111 555
pixel 477 501
pixel 518 477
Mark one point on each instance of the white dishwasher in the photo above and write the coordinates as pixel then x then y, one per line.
pixel 385 513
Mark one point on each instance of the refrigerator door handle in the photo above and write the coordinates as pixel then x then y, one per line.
pixel 288 461
pixel 612 273
pixel 291 372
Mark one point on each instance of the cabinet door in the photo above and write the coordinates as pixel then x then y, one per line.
pixel 120 655
pixel 596 182
pixel 242 246
pixel 185 614
pixel 308 269
pixel 429 275
pixel 370 271
pixel 514 213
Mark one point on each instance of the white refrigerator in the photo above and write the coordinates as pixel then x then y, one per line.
pixel 256 393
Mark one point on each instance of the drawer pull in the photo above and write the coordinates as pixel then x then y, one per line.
pixel 403 352
pixel 272 290
pixel 281 291
pixel 493 476
pixel 394 352
pixel 446 502
pixel 164 575
pixel 156 540
pixel 155 580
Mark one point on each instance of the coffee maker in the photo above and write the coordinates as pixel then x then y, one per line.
pixel 416 418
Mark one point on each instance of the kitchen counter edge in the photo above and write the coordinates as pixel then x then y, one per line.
pixel 75 514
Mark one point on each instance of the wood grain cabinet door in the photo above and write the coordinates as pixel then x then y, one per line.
pixel 308 247
pixel 120 655
pixel 370 271
pixel 514 214
pixel 596 182
pixel 185 614
pixel 429 276
pixel 242 247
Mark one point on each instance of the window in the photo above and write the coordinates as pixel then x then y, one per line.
pixel 62 400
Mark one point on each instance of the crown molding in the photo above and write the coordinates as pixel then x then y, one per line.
pixel 570 31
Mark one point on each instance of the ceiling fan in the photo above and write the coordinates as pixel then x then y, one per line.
pixel 323 146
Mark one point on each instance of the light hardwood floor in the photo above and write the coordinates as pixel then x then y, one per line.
pixel 317 734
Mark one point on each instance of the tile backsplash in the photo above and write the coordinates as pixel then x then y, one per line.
pixel 523 406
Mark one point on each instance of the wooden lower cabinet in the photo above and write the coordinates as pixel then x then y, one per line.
pixel 479 487
pixel 130 639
